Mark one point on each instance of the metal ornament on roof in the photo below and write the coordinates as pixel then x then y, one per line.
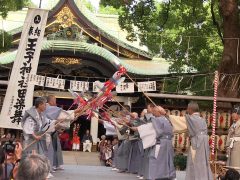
pixel 65 17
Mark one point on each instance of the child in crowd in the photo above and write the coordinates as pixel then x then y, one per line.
pixel 101 147
pixel 114 153
pixel 76 142
pixel 108 153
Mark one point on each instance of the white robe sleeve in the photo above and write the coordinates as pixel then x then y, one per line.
pixel 179 123
pixel 147 134
pixel 28 126
pixel 65 117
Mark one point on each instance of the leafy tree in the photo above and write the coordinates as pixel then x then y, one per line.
pixel 5 7
pixel 109 10
pixel 188 33
pixel 10 5
pixel 88 5
pixel 6 45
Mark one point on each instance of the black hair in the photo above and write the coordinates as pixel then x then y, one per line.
pixel 231 174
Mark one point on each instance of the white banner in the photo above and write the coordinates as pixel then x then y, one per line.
pixel 55 83
pixel 35 79
pixel 146 86
pixel 125 88
pixel 19 95
pixel 79 86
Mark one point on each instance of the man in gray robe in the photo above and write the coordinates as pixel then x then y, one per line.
pixel 121 138
pixel 198 167
pixel 160 157
pixel 147 118
pixel 135 154
pixel 34 124
pixel 123 150
pixel 63 118
pixel 233 140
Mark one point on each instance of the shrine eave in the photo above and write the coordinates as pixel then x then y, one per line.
pixel 138 67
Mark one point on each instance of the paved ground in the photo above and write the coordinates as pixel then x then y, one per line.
pixel 86 166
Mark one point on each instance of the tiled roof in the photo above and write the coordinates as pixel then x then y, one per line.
pixel 14 21
pixel 139 67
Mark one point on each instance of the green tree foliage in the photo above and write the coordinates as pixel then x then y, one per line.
pixel 5 7
pixel 88 5
pixel 5 41
pixel 11 5
pixel 181 31
pixel 109 10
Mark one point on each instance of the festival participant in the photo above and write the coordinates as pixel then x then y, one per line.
pixel 33 124
pixel 135 154
pixel 233 140
pixel 124 147
pixel 198 167
pixel 161 153
pixel 146 119
pixel 87 142
pixel 149 115
pixel 121 137
pixel 63 118
pixel 140 144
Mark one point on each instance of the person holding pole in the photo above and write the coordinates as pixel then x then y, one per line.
pixel 233 140
pixel 60 119
pixel 34 123
pixel 198 167
pixel 161 153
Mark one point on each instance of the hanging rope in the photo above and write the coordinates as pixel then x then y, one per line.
pixel 214 115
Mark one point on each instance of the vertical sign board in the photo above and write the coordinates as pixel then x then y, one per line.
pixel 19 93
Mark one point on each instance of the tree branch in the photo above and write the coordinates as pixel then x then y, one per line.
pixel 167 14
pixel 215 21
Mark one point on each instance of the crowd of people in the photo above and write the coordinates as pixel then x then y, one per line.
pixel 140 145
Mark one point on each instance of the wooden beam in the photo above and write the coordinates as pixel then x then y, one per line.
pixel 199 98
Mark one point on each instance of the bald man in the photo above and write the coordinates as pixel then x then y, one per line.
pixel 161 151
pixel 198 167
pixel 57 115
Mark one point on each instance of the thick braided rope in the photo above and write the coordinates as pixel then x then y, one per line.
pixel 214 113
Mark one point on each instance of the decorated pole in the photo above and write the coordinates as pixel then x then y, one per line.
pixel 214 114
